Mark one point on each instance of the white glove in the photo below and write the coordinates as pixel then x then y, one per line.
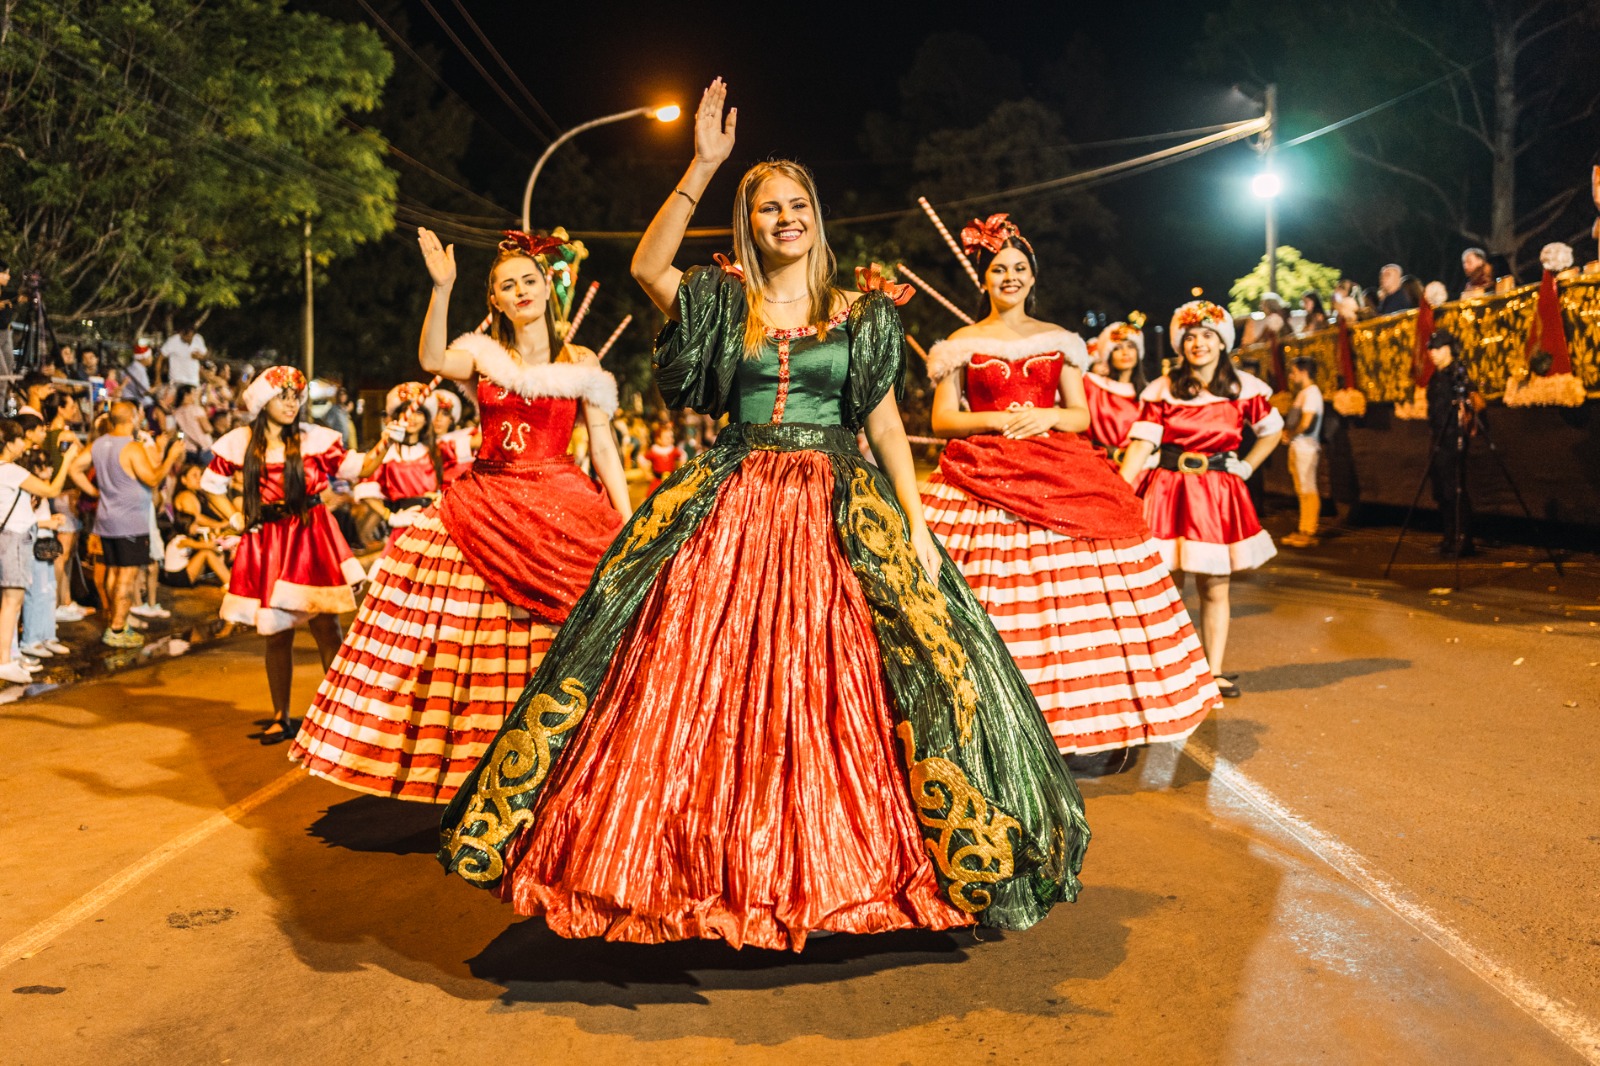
pixel 395 431
pixel 402 519
pixel 1239 469
pixel 236 520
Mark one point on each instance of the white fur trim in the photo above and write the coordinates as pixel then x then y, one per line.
pixel 353 571
pixel 1273 423
pixel 1149 432
pixel 948 356
pixel 1222 328
pixel 315 439
pixel 367 490
pixel 249 612
pixel 1203 557
pixel 1105 340
pixel 1105 384
pixel 568 381
pixel 1160 391
pixel 232 445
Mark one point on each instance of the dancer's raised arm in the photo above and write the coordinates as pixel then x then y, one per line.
pixel 713 141
pixel 432 352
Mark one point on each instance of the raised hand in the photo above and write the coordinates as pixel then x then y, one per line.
pixel 440 259
pixel 713 136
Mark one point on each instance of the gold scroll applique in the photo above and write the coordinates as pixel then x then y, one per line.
pixel 881 531
pixel 947 802
pixel 522 757
pixel 661 509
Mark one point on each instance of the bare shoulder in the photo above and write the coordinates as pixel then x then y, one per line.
pixel 578 354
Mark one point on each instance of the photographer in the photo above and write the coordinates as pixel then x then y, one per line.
pixel 1453 406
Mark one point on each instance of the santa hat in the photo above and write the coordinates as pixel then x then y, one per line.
pixel 141 352
pixel 1120 333
pixel 406 393
pixel 271 382
pixel 1201 314
pixel 449 403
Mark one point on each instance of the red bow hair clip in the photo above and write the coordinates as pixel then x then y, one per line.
pixel 529 244
pixel 870 278
pixel 990 233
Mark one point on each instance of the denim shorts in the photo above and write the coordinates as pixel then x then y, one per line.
pixel 16 560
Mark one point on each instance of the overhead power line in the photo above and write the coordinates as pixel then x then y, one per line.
pixel 499 90
pixel 498 58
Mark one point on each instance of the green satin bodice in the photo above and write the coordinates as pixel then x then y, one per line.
pixel 817 371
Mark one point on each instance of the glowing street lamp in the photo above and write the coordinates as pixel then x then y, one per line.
pixel 668 113
pixel 1266 185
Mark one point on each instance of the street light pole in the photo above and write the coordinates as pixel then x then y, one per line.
pixel 1268 149
pixel 309 334
pixel 660 114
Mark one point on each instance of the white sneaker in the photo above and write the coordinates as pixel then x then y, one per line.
pixel 135 620
pixel 72 612
pixel 14 672
pixel 57 648
pixel 33 666
pixel 145 610
pixel 36 650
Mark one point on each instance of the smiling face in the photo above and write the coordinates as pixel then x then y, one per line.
pixel 1201 347
pixel 518 289
pixel 415 420
pixel 284 408
pixel 442 423
pixel 1124 356
pixel 1009 279
pixel 783 221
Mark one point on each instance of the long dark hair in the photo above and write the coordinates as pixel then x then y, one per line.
pixel 255 458
pixel 982 257
pixel 426 438
pixel 1136 374
pixel 1186 385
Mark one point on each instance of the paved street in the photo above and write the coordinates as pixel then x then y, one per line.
pixel 1386 851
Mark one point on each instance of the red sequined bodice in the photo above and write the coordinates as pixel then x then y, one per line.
pixel 998 384
pixel 519 430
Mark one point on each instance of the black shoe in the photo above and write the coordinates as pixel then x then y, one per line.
pixel 286 731
pixel 1228 688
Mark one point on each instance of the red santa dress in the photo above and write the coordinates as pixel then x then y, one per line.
pixel 464 603
pixel 1055 546
pixel 1203 518
pixel 1113 409
pixel 294 566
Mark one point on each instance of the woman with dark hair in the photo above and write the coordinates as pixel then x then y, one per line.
pixel 18 519
pixel 1316 317
pixel 1053 543
pixel 1195 497
pixel 713 746
pixel 1113 397
pixel 411 474
pixel 470 593
pixel 292 564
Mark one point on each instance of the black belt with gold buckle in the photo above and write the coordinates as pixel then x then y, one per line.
pixel 1187 462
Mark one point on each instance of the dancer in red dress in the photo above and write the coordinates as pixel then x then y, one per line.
pixel 465 601
pixel 1053 543
pixel 1113 397
pixel 411 473
pixel 1193 421
pixel 456 443
pixel 292 564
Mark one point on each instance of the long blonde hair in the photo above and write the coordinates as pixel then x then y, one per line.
pixel 500 325
pixel 821 265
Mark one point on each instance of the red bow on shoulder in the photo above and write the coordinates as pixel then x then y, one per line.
pixel 728 266
pixel 870 278
pixel 529 244
pixel 989 233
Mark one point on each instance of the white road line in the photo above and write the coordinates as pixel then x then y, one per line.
pixel 30 942
pixel 1571 1027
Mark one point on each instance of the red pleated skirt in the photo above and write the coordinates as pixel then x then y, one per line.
pixel 1095 624
pixel 737 776
pixel 1205 523
pixel 424 678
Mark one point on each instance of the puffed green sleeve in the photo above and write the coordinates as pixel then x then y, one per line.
pixel 877 356
pixel 695 357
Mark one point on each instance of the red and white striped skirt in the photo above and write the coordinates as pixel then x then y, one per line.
pixel 1096 626
pixel 425 676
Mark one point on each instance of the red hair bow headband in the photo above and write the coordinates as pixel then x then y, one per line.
pixel 870 278
pixel 728 266
pixel 991 233
pixel 529 244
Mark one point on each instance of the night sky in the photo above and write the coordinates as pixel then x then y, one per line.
pixel 802 77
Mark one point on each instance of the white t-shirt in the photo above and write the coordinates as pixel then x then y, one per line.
pixel 22 518
pixel 1307 402
pixel 183 364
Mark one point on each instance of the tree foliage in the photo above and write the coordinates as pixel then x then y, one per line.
pixel 1297 276
pixel 167 153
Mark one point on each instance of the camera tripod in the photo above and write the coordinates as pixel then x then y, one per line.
pixel 41 337
pixel 1460 432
